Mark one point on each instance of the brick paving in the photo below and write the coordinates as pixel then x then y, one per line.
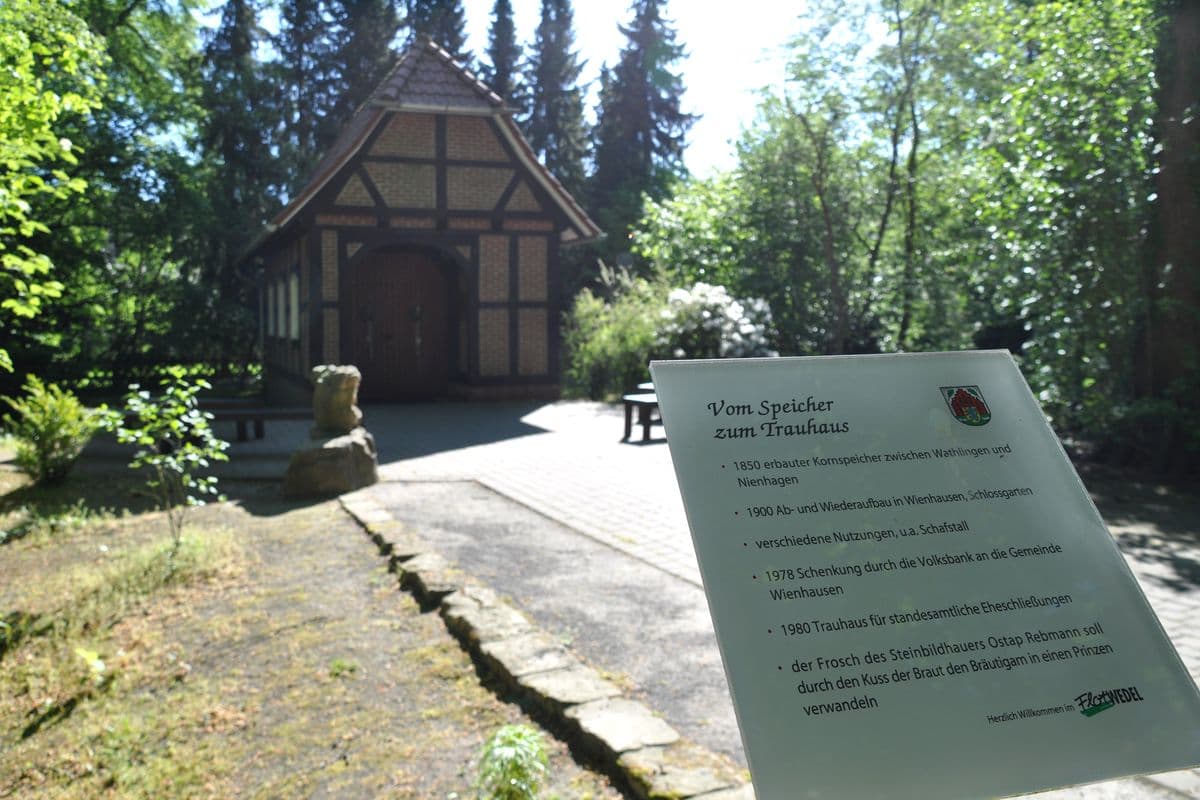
pixel 565 461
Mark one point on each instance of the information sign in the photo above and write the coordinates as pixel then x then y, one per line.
pixel 913 594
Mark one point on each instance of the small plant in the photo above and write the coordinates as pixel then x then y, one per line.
pixel 51 428
pixel 95 664
pixel 340 666
pixel 175 444
pixel 512 765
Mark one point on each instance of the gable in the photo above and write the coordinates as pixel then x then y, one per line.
pixel 391 151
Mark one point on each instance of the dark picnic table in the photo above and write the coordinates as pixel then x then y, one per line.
pixel 648 413
pixel 243 411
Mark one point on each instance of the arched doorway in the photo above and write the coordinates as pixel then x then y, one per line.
pixel 401 314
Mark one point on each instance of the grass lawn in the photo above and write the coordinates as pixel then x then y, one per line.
pixel 273 656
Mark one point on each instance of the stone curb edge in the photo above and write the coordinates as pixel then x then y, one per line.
pixel 624 736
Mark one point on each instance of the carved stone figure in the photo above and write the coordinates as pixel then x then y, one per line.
pixel 335 393
pixel 341 456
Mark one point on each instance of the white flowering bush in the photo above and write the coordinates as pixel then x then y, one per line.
pixel 609 344
pixel 707 322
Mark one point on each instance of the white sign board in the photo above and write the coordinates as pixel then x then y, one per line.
pixel 913 594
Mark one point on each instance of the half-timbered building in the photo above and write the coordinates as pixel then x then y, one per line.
pixel 424 250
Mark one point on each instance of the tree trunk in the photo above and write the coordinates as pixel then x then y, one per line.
pixel 909 279
pixel 1171 345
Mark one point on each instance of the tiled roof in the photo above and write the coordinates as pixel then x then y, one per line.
pixel 426 78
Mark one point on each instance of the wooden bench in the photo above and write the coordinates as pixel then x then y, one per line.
pixel 646 404
pixel 243 412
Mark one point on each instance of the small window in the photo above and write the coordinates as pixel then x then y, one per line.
pixel 280 310
pixel 294 306
pixel 270 292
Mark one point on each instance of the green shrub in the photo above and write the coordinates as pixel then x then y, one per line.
pixel 512 765
pixel 175 443
pixel 51 427
pixel 609 344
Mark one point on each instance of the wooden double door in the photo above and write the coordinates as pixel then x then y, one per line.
pixel 401 315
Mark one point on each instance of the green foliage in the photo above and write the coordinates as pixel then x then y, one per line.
pixel 50 66
pixel 512 765
pixel 52 427
pixel 340 667
pixel 306 71
pixel 698 233
pixel 366 31
pixel 609 344
pixel 1060 194
pixel 129 247
pixel 640 125
pixel 554 123
pixel 175 444
pixel 237 136
pixel 503 52
pixel 443 21
pixel 936 175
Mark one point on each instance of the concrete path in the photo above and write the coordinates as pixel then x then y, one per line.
pixel 606 562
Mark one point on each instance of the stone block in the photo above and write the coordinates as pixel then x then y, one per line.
pixel 397 539
pixel 525 655
pixel 659 773
pixel 477 623
pixel 558 689
pixel 368 515
pixel 618 725
pixel 332 466
pixel 430 577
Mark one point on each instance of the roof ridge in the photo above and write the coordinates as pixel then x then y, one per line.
pixel 395 84
pixel 387 77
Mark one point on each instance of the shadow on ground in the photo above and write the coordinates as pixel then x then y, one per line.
pixel 411 431
pixel 108 487
pixel 1156 524
pixel 101 481
pixel 1182 568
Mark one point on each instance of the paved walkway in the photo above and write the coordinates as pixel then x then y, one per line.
pixel 565 461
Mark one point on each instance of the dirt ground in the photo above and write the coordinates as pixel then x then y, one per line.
pixel 279 659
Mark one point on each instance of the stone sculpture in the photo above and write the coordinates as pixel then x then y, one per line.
pixel 335 392
pixel 341 455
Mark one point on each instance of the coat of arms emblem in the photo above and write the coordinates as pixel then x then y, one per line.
pixel 967 405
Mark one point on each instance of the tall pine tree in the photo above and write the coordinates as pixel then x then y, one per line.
pixel 367 30
pixel 554 125
pixel 640 128
pixel 503 52
pixel 445 22
pixel 237 142
pixel 308 73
